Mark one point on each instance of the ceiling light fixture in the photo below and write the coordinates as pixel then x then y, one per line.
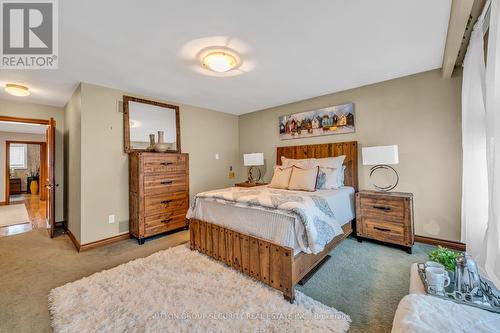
pixel 220 61
pixel 17 90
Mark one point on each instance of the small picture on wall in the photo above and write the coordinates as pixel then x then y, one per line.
pixel 337 119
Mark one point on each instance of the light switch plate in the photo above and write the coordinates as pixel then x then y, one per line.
pixel 111 219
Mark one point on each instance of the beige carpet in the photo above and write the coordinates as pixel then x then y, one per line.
pixel 13 214
pixel 179 290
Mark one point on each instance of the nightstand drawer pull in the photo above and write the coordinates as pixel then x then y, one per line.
pixel 166 220
pixel 166 201
pixel 166 182
pixel 382 208
pixel 166 163
pixel 382 229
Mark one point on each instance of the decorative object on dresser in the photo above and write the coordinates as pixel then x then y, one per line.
pixel 385 216
pixel 142 117
pixel 253 160
pixel 337 119
pixel 380 157
pixel 158 193
pixel 247 184
pixel 161 146
pixel 266 260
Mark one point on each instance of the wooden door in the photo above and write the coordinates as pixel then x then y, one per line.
pixel 50 183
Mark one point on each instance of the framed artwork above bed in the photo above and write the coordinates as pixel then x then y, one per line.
pixel 337 119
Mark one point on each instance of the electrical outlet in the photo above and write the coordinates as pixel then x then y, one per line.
pixel 217 156
pixel 111 219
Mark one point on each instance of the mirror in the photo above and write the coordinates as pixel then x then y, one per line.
pixel 142 117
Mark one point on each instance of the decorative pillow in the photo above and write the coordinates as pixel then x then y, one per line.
pixel 328 178
pixel 331 162
pixel 309 163
pixel 306 163
pixel 281 177
pixel 303 179
pixel 341 176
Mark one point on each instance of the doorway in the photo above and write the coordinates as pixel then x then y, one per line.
pixel 29 197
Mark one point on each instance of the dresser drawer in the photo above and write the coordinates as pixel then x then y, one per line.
pixel 165 203
pixel 387 208
pixel 165 222
pixel 165 164
pixel 167 183
pixel 383 230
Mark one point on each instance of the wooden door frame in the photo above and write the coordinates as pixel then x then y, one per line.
pixel 43 167
pixel 19 120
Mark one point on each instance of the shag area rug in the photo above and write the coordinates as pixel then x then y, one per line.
pixel 179 290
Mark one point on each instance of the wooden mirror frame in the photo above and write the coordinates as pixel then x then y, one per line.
pixel 126 120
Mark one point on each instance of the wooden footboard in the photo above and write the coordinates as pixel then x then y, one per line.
pixel 261 259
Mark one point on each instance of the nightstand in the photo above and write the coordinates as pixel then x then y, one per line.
pixel 386 217
pixel 247 184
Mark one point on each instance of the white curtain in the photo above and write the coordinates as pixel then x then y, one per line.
pixel 492 84
pixel 480 132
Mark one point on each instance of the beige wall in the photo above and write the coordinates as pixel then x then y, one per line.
pixel 420 113
pixel 8 136
pixel 104 165
pixel 28 110
pixel 72 163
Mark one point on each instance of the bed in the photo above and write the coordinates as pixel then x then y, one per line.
pixel 258 242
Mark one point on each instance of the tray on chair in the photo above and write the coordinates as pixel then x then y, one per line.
pixel 485 299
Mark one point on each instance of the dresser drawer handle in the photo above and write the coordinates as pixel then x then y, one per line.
pixel 166 201
pixel 166 163
pixel 382 229
pixel 166 220
pixel 166 182
pixel 382 208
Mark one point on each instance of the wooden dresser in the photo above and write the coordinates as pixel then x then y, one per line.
pixel 158 193
pixel 385 216
pixel 15 185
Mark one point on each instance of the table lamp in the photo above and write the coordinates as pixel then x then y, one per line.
pixel 252 160
pixel 381 157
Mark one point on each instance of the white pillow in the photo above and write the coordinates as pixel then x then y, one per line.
pixel 341 176
pixel 303 179
pixel 328 178
pixel 308 163
pixel 305 163
pixel 326 181
pixel 281 177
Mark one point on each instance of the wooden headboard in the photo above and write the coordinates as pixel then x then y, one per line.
pixel 349 149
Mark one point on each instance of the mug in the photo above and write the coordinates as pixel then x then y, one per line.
pixel 433 264
pixel 437 278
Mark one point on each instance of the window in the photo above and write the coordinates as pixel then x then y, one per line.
pixel 18 156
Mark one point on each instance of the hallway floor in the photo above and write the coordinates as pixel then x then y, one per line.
pixel 36 211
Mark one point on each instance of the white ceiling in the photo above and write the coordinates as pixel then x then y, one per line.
pixel 6 126
pixel 291 49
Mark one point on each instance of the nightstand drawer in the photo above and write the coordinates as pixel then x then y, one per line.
pixel 383 208
pixel 383 231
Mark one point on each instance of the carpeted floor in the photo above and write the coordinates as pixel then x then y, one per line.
pixel 365 280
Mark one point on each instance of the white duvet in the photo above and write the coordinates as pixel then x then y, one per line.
pixel 315 220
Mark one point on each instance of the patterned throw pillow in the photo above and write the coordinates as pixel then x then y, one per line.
pixel 328 179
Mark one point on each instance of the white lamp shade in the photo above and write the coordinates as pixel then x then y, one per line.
pixel 253 159
pixel 380 155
